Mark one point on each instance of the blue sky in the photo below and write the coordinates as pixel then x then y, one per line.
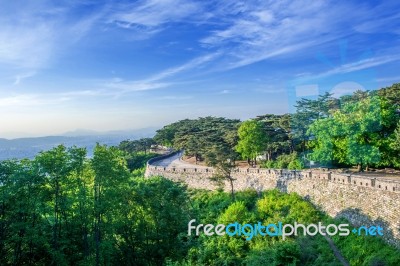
pixel 112 65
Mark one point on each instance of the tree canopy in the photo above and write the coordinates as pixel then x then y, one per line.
pixel 252 139
pixel 356 129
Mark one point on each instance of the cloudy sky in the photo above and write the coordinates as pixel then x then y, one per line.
pixel 112 65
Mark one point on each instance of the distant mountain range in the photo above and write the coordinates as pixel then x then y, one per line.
pixel 20 148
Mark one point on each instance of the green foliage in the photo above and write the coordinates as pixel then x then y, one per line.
pixel 106 215
pixel 269 164
pixel 395 144
pixel 353 134
pixel 281 253
pixel 272 207
pixel 278 137
pixel 64 209
pixel 357 129
pixel 289 161
pixel 296 164
pixel 210 139
pixel 138 160
pixel 199 136
pixel 364 250
pixel 153 230
pixel 135 146
pixel 308 111
pixel 252 139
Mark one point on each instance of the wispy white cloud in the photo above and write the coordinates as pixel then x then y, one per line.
pixel 197 62
pixel 113 87
pixel 151 14
pixel 156 81
pixel 386 19
pixel 21 77
pixel 360 65
pixel 31 35
pixel 248 32
pixel 255 31
pixel 25 47
pixel 242 33
pixel 123 86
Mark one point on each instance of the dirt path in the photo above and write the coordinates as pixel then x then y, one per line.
pixel 336 251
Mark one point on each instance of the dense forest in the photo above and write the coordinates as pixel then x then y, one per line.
pixel 64 208
pixel 362 129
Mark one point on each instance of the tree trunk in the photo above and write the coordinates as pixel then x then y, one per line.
pixel 359 168
pixel 56 215
pixel 97 224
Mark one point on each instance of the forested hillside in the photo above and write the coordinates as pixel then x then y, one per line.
pixel 64 209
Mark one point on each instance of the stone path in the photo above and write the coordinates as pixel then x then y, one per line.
pixel 336 251
pixel 175 161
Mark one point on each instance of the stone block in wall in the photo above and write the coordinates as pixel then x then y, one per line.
pixel 333 192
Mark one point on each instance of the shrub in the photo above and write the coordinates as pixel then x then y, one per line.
pixel 295 165
pixel 283 160
pixel 269 164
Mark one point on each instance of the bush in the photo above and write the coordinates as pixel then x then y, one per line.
pixel 283 160
pixel 269 164
pixel 296 165
pixel 281 164
pixel 289 161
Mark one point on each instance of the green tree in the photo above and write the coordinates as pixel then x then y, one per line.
pixel 111 182
pixel 198 136
pixel 222 158
pixel 153 223
pixel 55 165
pixel 308 111
pixel 252 139
pixel 24 233
pixel 396 138
pixel 278 134
pixel 81 204
pixel 140 145
pixel 351 135
pixel 166 135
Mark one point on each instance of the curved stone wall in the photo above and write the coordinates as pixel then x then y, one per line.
pixel 362 200
pixel 362 203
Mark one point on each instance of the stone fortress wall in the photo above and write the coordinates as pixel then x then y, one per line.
pixel 361 200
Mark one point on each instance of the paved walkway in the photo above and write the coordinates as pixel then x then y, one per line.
pixel 175 161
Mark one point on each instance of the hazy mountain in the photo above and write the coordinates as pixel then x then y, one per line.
pixel 143 132
pixel 28 147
